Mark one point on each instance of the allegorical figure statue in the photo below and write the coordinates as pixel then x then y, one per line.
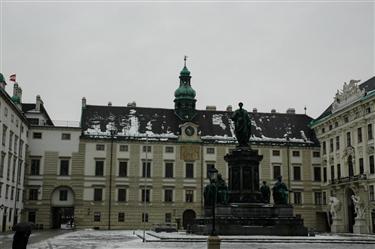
pixel 242 126
pixel 216 191
pixel 266 192
pixel 358 206
pixel 334 206
pixel 222 190
pixel 280 192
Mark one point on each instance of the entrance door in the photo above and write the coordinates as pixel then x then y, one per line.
pixel 350 209
pixel 188 218
pixel 62 215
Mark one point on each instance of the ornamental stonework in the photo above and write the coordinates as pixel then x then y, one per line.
pixel 189 152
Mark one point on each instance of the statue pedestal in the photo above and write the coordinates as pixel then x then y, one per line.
pixel 213 242
pixel 360 226
pixel 337 226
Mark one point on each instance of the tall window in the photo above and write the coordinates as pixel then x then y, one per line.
pixel 99 168
pixel 331 145
pixel 35 167
pixel 144 217
pixel 121 195
pixel 276 171
pixel 338 171
pixel 348 139
pixel 297 173
pixel 189 170
pixel 317 174
pixel 350 166
pixel 371 193
pixel 10 140
pixel 145 194
pixel 372 165
pixel 324 148
pixel 64 167
pixel 168 195
pixel 325 174
pixel 361 166
pixel 369 132
pixel 189 195
pixel 337 143
pixel 359 135
pixel 123 169
pixel 169 169
pixel 97 216
pixel 121 217
pixel 332 173
pixel 318 198
pixel 208 168
pixel 31 216
pixel 33 194
pixel 146 169
pixel 4 137
pixel 63 195
pixel 98 194
pixel 168 217
pixel 2 161
pixel 297 198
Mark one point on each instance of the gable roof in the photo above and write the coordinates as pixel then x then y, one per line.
pixel 30 107
pixel 213 126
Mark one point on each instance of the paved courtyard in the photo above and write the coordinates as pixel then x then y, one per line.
pixel 94 239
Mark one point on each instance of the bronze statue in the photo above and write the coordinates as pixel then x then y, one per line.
pixel 242 124
pixel 216 191
pixel 280 192
pixel 222 190
pixel 266 192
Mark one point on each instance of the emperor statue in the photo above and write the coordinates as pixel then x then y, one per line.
pixel 242 126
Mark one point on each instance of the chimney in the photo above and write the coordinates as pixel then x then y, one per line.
pixel 291 111
pixel 273 111
pixel 229 108
pixel 132 104
pixel 255 110
pixel 109 103
pixel 83 102
pixel 38 104
pixel 210 108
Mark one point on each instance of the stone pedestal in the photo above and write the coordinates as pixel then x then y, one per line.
pixel 213 242
pixel 337 226
pixel 360 226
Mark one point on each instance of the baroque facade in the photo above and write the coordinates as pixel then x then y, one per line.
pixel 346 133
pixel 127 167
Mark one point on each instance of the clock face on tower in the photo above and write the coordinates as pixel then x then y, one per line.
pixel 189 131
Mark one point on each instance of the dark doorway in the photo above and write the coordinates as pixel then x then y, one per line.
pixel 62 215
pixel 350 166
pixel 350 208
pixel 188 218
pixel 4 222
pixel 373 220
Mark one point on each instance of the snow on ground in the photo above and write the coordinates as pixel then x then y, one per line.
pixel 94 239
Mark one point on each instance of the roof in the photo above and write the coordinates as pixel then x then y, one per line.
pixel 28 107
pixel 10 102
pixel 368 86
pixel 214 126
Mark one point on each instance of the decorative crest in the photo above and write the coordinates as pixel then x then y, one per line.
pixel 349 94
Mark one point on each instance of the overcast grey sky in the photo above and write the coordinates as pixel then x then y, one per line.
pixel 268 55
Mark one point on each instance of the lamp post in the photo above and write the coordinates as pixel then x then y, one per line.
pixel 113 132
pixel 288 159
pixel 213 241
pixel 144 169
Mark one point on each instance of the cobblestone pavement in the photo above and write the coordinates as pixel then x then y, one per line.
pixel 93 239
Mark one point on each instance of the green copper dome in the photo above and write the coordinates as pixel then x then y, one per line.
pixel 185 92
pixel 185 72
pixel 2 78
pixel 16 99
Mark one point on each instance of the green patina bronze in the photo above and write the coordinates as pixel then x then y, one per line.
pixel 242 124
pixel 266 192
pixel 2 79
pixel 216 191
pixel 280 192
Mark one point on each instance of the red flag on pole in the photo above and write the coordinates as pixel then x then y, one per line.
pixel 12 77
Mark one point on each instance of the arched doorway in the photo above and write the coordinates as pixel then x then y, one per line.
pixel 188 218
pixel 350 209
pixel 62 207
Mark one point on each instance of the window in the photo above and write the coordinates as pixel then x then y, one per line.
pixel 99 168
pixel 7 191
pixel 346 119
pixel 65 136
pixel 297 198
pixel 168 217
pixel 100 147
pixel 9 165
pixel 276 171
pixel 10 140
pixel 359 135
pixel 169 149
pixel 361 169
pixel 12 193
pixel 189 195
pixel 31 216
pixel 371 193
pixel 121 195
pixel 35 167
pixel 144 217
pixel 64 167
pixel 338 171
pixel 168 195
pixel 1 188
pixel 121 217
pixel 337 143
pixel 15 144
pixel 146 169
pixel 324 148
pixel 6 112
pixel 33 194
pixel 348 139
pixel 97 216
pixel 146 148
pixel 336 124
pixel 316 154
pixel 323 130
pixel 63 195
pixel 210 150
pixel 325 174
pixel 295 153
pixel 369 132
pixel 332 173
pixel 4 134
pixel 124 148
pixel 168 170
pixel 324 198
pixel 297 173
pixel 275 153
pixel 189 170
pixel 317 174
pixel 209 167
pixel 123 169
pixel 145 194
pixel 372 165
pixel 330 127
pixel 331 145
pixel 98 194
pixel 37 135
pixel 2 164
pixel 318 198
pixel 33 121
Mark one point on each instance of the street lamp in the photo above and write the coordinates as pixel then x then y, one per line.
pixel 212 173
pixel 113 131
